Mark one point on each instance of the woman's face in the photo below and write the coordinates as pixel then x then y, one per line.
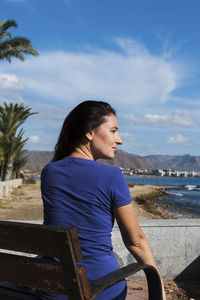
pixel 105 138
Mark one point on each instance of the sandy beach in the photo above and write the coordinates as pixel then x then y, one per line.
pixel 25 203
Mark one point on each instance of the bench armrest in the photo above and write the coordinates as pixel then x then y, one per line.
pixel 153 280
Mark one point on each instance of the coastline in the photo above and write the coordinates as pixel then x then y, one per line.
pixel 147 204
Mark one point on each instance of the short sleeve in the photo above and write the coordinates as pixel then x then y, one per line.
pixel 120 193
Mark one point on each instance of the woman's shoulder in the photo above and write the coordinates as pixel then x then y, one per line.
pixel 47 167
pixel 79 163
pixel 106 168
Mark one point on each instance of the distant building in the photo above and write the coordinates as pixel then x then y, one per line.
pixel 161 172
pixel 168 172
pixel 177 173
pixel 158 172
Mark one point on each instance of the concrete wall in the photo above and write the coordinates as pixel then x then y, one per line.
pixel 6 187
pixel 175 244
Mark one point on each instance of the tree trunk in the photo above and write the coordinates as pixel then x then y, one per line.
pixel 7 170
pixel 1 172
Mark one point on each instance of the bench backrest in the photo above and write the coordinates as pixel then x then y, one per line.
pixel 62 276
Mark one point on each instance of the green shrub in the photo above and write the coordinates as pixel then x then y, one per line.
pixel 29 180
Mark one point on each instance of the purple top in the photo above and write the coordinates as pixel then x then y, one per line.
pixel 81 193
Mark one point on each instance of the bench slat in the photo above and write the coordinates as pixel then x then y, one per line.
pixel 48 241
pixel 32 272
pixel 32 238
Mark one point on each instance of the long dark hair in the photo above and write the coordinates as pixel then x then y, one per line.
pixel 85 117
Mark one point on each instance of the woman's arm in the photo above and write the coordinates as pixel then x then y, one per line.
pixel 133 236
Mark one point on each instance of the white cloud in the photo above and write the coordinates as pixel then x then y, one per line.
pixel 132 47
pixel 130 117
pixel 179 139
pixel 37 141
pixel 127 136
pixel 178 118
pixel 133 75
pixel 34 139
pixel 130 79
pixel 10 82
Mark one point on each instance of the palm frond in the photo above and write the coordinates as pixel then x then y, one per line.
pixel 4 26
pixel 13 47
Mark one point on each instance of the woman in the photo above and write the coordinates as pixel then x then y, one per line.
pixel 79 192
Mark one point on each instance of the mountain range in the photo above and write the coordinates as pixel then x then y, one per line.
pixel 38 159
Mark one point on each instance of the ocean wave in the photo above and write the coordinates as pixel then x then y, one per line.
pixel 176 194
pixel 190 187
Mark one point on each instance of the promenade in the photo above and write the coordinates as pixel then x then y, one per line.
pixel 175 244
pixel 138 290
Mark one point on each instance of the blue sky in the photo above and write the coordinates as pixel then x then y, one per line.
pixel 141 56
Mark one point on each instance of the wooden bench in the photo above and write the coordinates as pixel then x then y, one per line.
pixel 20 274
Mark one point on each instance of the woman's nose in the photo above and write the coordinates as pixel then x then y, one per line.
pixel 119 140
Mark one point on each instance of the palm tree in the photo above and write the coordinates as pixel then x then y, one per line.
pixel 13 47
pixel 11 117
pixel 19 162
pixel 11 146
pixel 1 160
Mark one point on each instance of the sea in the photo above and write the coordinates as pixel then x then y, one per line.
pixel 183 195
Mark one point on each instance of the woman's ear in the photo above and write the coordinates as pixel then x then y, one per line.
pixel 89 135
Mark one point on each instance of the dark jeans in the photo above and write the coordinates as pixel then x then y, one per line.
pixel 122 296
